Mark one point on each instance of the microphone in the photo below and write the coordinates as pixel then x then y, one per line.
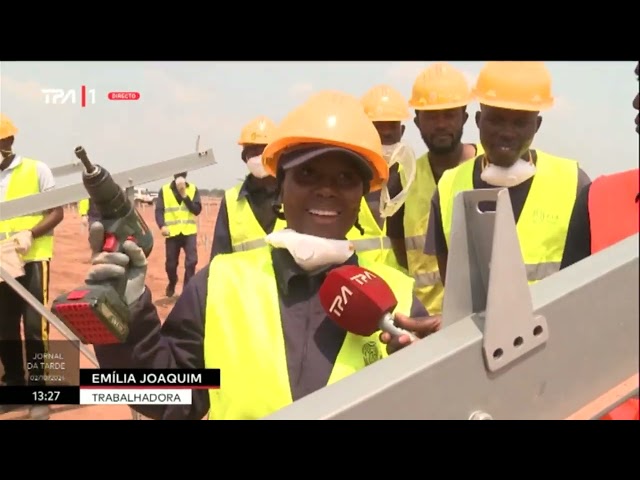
pixel 360 301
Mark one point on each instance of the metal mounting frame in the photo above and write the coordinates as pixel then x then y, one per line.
pixel 58 197
pixel 69 169
pixel 485 260
pixel 591 309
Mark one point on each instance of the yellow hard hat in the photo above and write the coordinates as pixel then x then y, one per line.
pixel 334 119
pixel 440 87
pixel 383 103
pixel 515 86
pixel 7 128
pixel 257 132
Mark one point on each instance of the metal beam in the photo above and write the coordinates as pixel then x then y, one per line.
pixel 65 170
pixel 590 309
pixel 136 176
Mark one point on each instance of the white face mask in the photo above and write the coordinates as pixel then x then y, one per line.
pixel 402 155
pixel 311 253
pixel 517 173
pixel 254 164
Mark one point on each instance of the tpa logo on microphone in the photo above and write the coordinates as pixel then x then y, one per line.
pixel 363 278
pixel 340 301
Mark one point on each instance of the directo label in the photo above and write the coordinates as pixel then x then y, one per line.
pixel 123 96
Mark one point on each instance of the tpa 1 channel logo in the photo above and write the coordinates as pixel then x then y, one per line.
pixel 59 96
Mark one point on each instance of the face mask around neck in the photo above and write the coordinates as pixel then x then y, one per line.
pixel 309 252
pixel 255 166
pixel 519 172
pixel 402 155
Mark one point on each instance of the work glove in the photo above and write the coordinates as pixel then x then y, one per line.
pixel 181 185
pixel 165 231
pixel 113 266
pixel 23 241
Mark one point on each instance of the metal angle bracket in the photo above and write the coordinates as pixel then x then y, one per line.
pixel 487 278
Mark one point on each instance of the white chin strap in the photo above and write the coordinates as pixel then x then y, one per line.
pixel 311 253
pixel 519 172
pixel 402 155
pixel 255 166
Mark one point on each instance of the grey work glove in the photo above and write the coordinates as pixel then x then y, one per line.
pixel 111 267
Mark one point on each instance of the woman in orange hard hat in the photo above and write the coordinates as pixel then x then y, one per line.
pixel 542 187
pixel 246 212
pixel 256 314
pixel 440 96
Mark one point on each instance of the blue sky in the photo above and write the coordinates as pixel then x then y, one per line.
pixel 592 120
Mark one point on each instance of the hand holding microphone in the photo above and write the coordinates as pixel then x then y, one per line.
pixel 362 303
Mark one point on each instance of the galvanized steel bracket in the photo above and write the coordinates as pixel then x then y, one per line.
pixel 487 279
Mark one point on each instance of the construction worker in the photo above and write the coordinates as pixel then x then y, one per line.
pixel 606 212
pixel 542 187
pixel 387 109
pixel 246 212
pixel 256 314
pixel 177 206
pixel 33 236
pixel 440 96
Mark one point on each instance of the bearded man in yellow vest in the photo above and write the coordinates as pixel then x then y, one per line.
pixel 440 96
pixel 33 237
pixel 256 314
pixel 387 109
pixel 246 213
pixel 177 206
pixel 542 187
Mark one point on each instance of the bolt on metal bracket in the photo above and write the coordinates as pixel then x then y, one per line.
pixel 487 278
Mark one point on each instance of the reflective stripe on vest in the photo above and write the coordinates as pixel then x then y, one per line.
pixel 245 230
pixel 544 221
pixel 23 182
pixel 613 209
pixel 417 206
pixel 374 245
pixel 177 216
pixel 250 349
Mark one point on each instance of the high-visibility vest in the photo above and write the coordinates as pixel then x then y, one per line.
pixel 23 182
pixel 417 208
pixel 249 348
pixel 544 221
pixel 614 212
pixel 245 230
pixel 177 217
pixel 374 245
pixel 83 207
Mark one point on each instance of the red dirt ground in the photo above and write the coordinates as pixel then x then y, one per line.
pixel 70 264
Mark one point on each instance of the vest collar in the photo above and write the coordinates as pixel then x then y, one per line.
pixel 287 270
pixel 17 160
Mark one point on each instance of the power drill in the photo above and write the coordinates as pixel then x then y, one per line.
pixel 98 314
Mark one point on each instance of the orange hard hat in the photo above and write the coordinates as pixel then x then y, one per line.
pixel 7 128
pixel 440 87
pixel 257 132
pixel 515 86
pixel 334 119
pixel 383 103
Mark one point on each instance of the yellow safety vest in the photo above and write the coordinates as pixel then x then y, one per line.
pixel 177 216
pixel 249 347
pixel 245 230
pixel 374 245
pixel 23 182
pixel 417 207
pixel 544 221
pixel 83 207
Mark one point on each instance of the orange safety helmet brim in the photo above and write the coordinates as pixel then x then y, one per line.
pixel 524 86
pixel 440 87
pixel 257 132
pixel 334 119
pixel 7 128
pixel 383 103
